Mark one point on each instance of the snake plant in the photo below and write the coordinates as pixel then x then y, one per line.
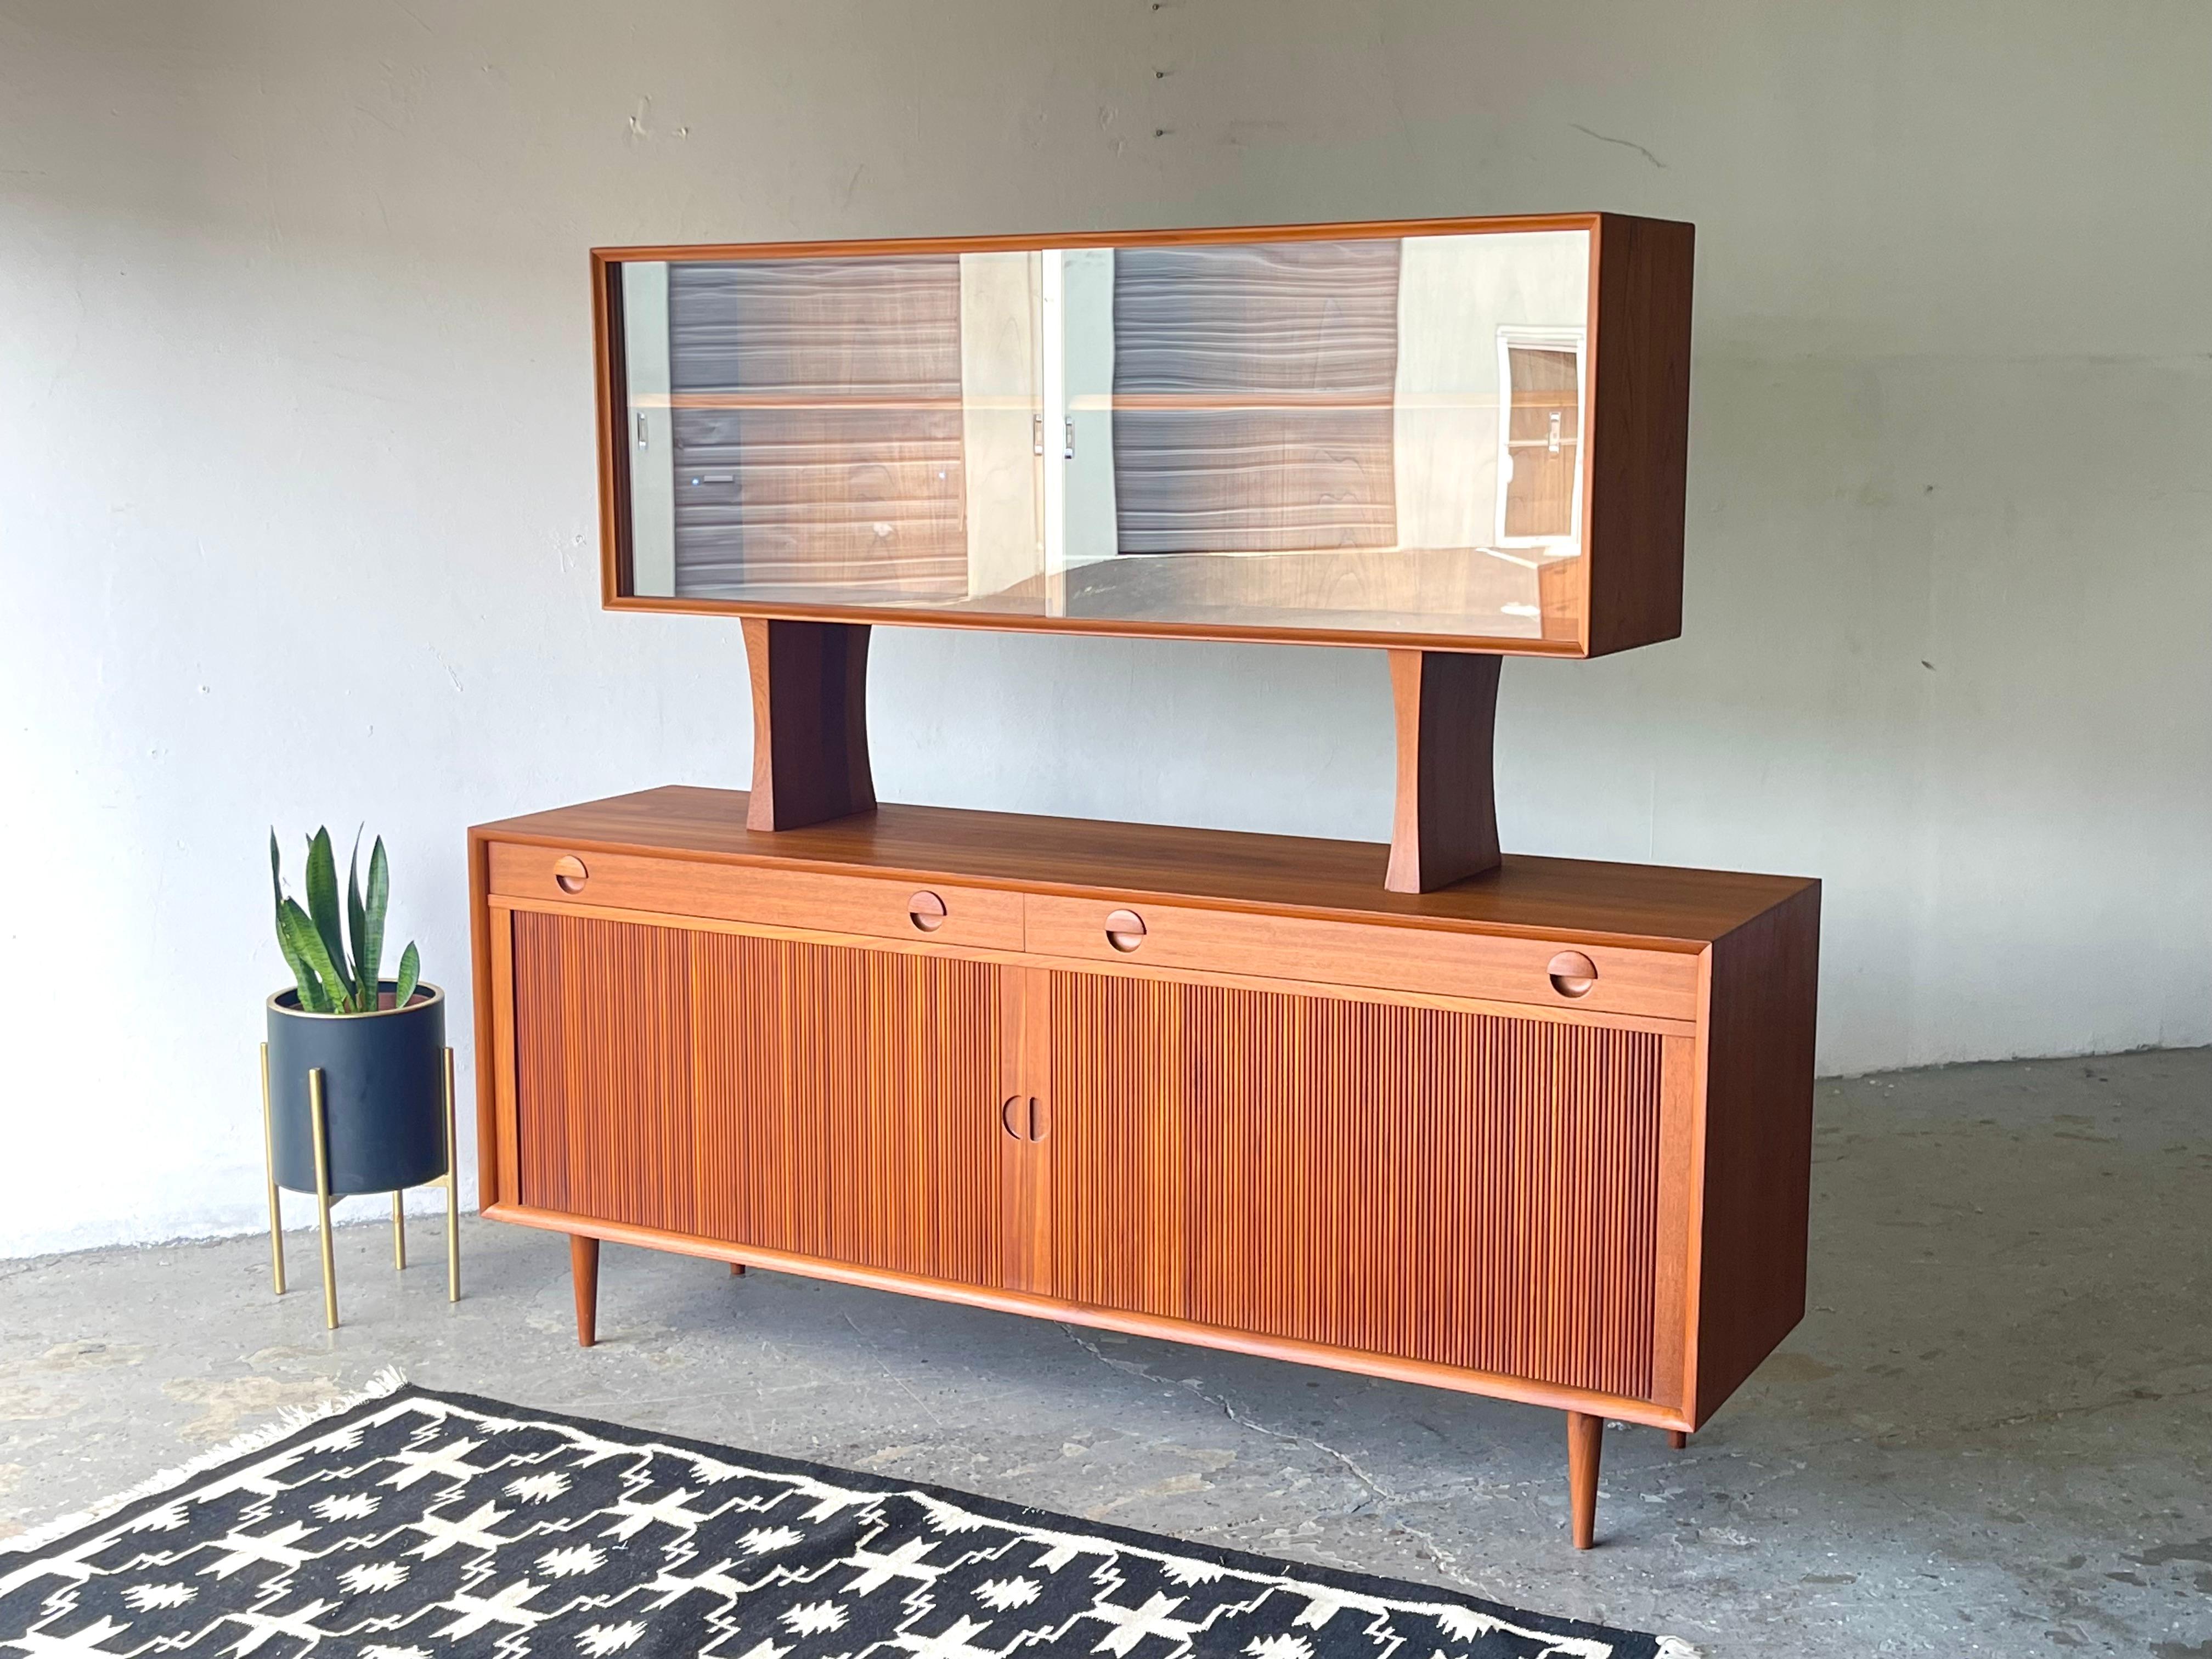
pixel 313 945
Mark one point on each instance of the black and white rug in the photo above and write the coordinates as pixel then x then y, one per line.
pixel 415 1525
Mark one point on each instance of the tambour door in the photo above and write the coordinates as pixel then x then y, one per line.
pixel 1454 1188
pixel 833 1101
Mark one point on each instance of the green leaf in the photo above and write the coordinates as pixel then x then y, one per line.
pixel 276 884
pixel 410 971
pixel 355 925
pixel 311 989
pixel 323 906
pixel 368 945
pixel 306 938
pixel 303 945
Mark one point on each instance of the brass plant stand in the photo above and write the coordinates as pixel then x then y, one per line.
pixel 450 1181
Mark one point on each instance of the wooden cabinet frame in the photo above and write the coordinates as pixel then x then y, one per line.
pixel 1732 1093
pixel 1626 590
pixel 1553 1119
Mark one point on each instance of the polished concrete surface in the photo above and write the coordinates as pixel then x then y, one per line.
pixel 1992 1435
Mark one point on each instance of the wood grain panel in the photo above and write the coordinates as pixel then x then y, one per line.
pixel 1025 1164
pixel 492 983
pixel 979 916
pixel 822 1100
pixel 1636 467
pixel 1756 1144
pixel 499 1166
pixel 1574 898
pixel 1494 1384
pixel 1453 1188
pixel 1661 984
pixel 1675 1301
pixel 1443 826
pixel 602 1069
pixel 809 686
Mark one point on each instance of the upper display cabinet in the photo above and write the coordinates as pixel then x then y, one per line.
pixel 1459 435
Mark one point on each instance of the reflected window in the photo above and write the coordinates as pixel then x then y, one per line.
pixel 1539 377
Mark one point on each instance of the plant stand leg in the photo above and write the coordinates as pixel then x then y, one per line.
pixel 1585 1439
pixel 453 1195
pixel 1677 1438
pixel 584 1269
pixel 323 1195
pixel 269 1163
pixel 399 1231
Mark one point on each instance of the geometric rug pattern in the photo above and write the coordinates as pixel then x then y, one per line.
pixel 420 1525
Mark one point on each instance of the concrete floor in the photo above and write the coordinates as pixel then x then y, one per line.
pixel 1992 1434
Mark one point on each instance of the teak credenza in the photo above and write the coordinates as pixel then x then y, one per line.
pixel 1544 1136
pixel 1524 1127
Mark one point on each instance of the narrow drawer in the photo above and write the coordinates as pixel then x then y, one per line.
pixel 1661 984
pixel 940 912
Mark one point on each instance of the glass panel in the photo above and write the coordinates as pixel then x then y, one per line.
pixel 815 445
pixel 1251 396
pixel 1380 434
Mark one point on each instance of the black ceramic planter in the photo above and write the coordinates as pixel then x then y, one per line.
pixel 384 1093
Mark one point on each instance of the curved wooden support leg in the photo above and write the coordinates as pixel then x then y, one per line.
pixel 584 1269
pixel 1677 1439
pixel 1445 826
pixel 810 682
pixel 1585 1439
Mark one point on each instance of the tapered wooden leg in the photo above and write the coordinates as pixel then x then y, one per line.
pixel 1585 1437
pixel 584 1269
pixel 737 1270
pixel 1677 1439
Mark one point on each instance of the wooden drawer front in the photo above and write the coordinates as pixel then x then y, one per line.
pixel 1658 983
pixel 980 917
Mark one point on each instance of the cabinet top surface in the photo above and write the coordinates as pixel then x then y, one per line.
pixel 1633 902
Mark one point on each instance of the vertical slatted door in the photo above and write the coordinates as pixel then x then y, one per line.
pixel 831 1101
pixel 1453 1188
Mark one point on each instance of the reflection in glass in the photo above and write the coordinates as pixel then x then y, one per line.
pixel 1252 388
pixel 1376 433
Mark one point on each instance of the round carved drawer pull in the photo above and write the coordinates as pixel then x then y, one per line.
pixel 1125 930
pixel 926 911
pixel 1572 974
pixel 569 874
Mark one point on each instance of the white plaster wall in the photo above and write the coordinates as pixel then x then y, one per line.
pixel 297 524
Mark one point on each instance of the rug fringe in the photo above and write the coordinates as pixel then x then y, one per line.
pixel 1674 1647
pixel 387 1381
